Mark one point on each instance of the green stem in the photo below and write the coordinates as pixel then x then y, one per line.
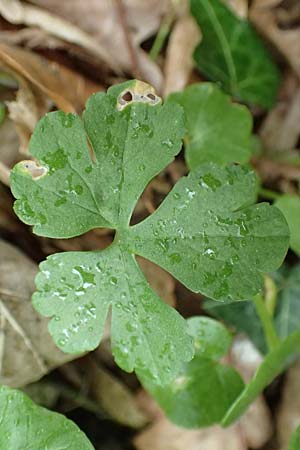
pixel 266 321
pixel 161 37
pixel 267 193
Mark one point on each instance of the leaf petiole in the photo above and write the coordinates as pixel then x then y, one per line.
pixel 271 336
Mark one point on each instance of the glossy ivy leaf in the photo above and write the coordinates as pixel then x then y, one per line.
pixel 217 130
pixel 273 364
pixel 24 425
pixel 73 192
pixel 232 54
pixel 91 174
pixel 295 440
pixel 146 334
pixel 290 206
pixel 287 311
pixel 204 389
pixel 222 253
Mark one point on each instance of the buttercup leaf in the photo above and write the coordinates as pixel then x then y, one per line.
pixel 26 425
pixel 232 54
pixel 90 174
pixel 217 130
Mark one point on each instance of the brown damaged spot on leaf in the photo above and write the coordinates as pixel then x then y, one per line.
pixel 34 169
pixel 140 93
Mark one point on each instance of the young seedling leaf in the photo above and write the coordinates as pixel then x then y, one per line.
pixel 290 206
pixel 295 440
pixel 204 389
pixel 217 130
pixel 26 425
pixel 273 364
pixel 232 54
pixel 91 174
pixel 147 334
pixel 223 251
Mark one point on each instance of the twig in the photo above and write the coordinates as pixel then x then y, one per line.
pixel 4 174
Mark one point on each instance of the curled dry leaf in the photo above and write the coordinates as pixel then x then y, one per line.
pixel 288 417
pixel 265 19
pixel 163 435
pixel 27 351
pixel 41 84
pixel 240 7
pixel 92 29
pixel 281 129
pixel 112 395
pixel 179 62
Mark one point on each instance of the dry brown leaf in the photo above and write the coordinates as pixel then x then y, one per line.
pixel 27 351
pixel 92 28
pixel 41 84
pixel 17 12
pixel 179 62
pixel 112 395
pixel 240 7
pixel 288 416
pixel 163 435
pixel 280 130
pixel 285 40
pixel 8 150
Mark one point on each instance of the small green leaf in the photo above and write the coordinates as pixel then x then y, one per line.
pixel 217 130
pixel 232 54
pixel 222 253
pixel 273 364
pixel 25 425
pixel 147 335
pixel 295 440
pixel 290 206
pixel 204 389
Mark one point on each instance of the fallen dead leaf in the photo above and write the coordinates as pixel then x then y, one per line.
pixel 179 62
pixel 92 29
pixel 41 84
pixel 240 7
pixel 280 130
pixel 112 395
pixel 27 351
pixel 288 416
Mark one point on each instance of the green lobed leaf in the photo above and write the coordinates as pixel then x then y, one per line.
pixel 232 54
pixel 146 334
pixel 295 440
pixel 290 206
pixel 217 130
pixel 204 389
pixel 273 364
pixel 91 174
pixel 24 425
pixel 224 251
